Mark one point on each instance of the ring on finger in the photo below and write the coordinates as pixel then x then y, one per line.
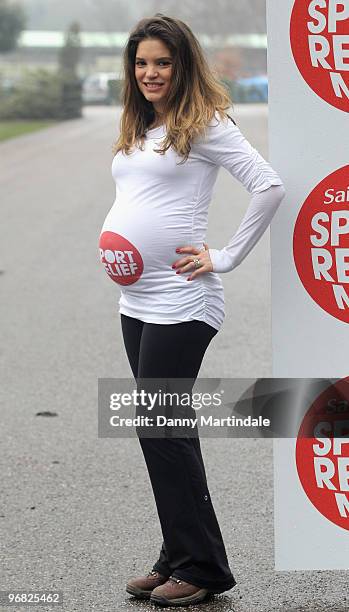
pixel 197 263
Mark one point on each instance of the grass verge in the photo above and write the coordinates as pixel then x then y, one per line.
pixel 11 129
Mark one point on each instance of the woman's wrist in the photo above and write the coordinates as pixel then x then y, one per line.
pixel 221 260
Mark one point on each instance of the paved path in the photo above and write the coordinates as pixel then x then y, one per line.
pixel 77 511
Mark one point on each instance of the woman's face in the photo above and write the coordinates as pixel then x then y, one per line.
pixel 153 65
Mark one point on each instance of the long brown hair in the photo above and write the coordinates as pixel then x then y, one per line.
pixel 194 96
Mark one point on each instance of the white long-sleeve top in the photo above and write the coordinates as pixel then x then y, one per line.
pixel 160 206
pixel 263 206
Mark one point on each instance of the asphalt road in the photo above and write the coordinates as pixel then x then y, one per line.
pixel 77 512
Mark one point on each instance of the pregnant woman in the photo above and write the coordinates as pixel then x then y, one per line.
pixel 175 134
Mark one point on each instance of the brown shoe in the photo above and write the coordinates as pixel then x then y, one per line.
pixel 176 592
pixel 142 586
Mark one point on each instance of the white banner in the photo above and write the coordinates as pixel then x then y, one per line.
pixel 308 68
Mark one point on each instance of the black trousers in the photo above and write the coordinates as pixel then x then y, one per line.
pixel 192 547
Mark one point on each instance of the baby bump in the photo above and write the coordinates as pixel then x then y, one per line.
pixel 135 250
pixel 121 259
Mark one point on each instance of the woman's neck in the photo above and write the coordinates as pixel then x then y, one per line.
pixel 159 119
pixel 157 122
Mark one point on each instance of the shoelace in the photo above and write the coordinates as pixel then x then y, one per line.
pixel 154 573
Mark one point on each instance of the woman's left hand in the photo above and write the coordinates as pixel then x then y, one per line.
pixel 187 265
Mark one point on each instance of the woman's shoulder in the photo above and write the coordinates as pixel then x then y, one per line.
pixel 218 128
pixel 224 119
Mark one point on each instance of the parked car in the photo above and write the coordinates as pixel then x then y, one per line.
pixel 96 89
pixel 252 89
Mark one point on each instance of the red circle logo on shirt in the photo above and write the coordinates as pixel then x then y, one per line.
pixel 319 36
pixel 122 261
pixel 321 244
pixel 322 453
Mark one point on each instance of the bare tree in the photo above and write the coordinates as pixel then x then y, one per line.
pixel 12 22
pixel 70 54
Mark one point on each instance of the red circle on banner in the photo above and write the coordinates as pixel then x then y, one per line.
pixel 322 453
pixel 122 261
pixel 321 244
pixel 319 38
